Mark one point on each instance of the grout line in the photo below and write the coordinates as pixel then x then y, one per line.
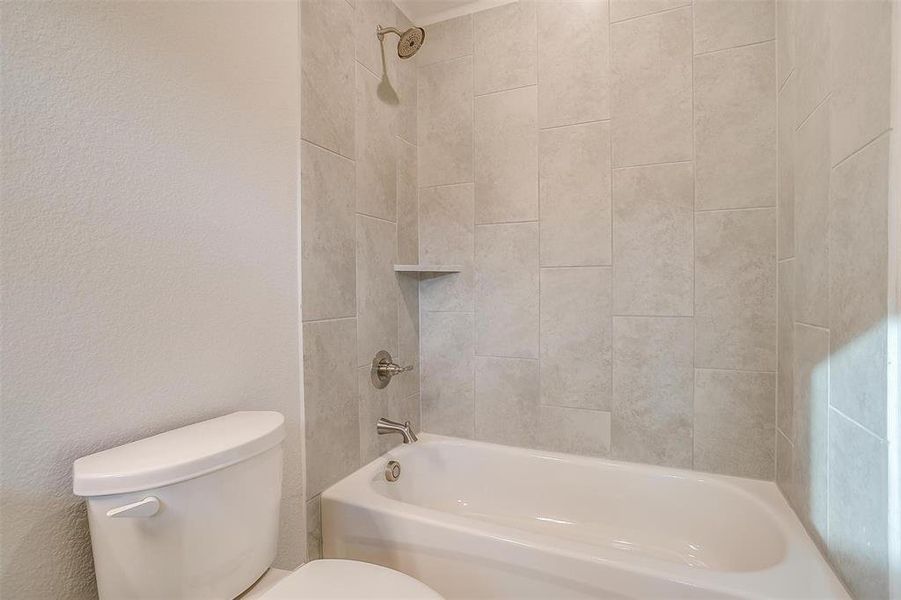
pixel 506 223
pixel 513 89
pixel 862 427
pixel 329 150
pixel 782 85
pixel 748 45
pixel 694 257
pixel 815 108
pixel 578 124
pixel 329 320
pixel 651 14
pixel 542 267
pixel 735 370
pixel 624 316
pixel 861 149
pixel 812 326
pixel 657 164
pixel 382 219
pixel 477 355
pixel 445 60
pixel 745 208
pixel 443 185
pixel 786 259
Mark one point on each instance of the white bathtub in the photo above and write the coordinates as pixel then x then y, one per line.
pixel 476 520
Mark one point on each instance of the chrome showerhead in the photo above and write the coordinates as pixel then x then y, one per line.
pixel 410 42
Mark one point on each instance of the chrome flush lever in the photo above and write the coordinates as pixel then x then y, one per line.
pixel 383 369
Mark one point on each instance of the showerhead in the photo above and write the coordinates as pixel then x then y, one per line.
pixel 410 42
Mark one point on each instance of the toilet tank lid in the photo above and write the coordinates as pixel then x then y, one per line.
pixel 178 455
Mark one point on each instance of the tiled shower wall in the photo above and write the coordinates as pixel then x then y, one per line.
pixel 834 61
pixel 607 176
pixel 358 217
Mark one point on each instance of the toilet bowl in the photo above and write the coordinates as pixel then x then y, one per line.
pixel 194 513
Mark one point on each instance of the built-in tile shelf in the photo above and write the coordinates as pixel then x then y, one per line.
pixel 427 268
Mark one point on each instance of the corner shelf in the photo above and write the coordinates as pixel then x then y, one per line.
pixel 427 268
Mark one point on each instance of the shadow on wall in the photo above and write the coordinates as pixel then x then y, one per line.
pixel 386 91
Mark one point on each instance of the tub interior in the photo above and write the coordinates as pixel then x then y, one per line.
pixel 619 508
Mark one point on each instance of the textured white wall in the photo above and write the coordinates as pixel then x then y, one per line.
pixel 149 247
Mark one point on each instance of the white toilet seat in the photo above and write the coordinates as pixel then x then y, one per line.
pixel 348 580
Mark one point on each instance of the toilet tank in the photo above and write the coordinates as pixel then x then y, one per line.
pixel 192 513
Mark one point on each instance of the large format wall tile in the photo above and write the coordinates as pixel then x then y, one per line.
pixel 327 234
pixel 376 288
pixel 785 380
pixel 858 292
pixel 860 42
pixel 812 54
pixel 505 47
pixel 651 95
pixel 446 40
pixel 407 204
pixel 374 404
pixel 811 160
pixel 506 268
pixel 735 289
pixel 405 409
pixel 573 62
pixel 575 337
pixel 786 152
pixel 330 402
pixel 506 405
pixel 785 41
pixel 575 195
pixel 653 390
pixel 574 430
pixel 327 75
pixel 408 335
pixel 735 126
pixel 446 238
pixel 734 429
pixel 506 156
pixel 376 150
pixel 653 245
pixel 723 24
pixel 445 123
pixel 858 510
pixel 447 373
pixel 810 421
pixel 621 10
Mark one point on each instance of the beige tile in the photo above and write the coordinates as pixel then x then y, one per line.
pixel 447 374
pixel 506 297
pixel 330 402
pixel 721 24
pixel 785 380
pixel 735 127
pixel 735 289
pixel 733 428
pixel 629 9
pixel 327 75
pixel 574 430
pixel 858 510
pixel 573 62
pixel 373 406
pixel 811 158
pixel 784 467
pixel 314 529
pixel 858 292
pixel 506 156
pixel 376 288
pixel 404 82
pixel 445 123
pixel 446 40
pixel 575 195
pixel 327 234
pixel 376 150
pixel 407 204
pixel 506 405
pixel 651 93
pixel 370 52
pixel 811 407
pixel 446 238
pixel 860 41
pixel 505 47
pixel 786 152
pixel 812 55
pixel 653 245
pixel 575 337
pixel 653 390
pixel 785 42
pixel 405 409
pixel 408 335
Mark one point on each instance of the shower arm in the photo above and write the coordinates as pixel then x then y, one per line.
pixel 381 31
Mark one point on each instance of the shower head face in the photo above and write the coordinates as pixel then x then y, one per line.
pixel 410 42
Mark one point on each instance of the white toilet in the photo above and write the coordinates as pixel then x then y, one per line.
pixel 193 514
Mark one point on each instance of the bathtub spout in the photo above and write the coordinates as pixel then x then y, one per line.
pixel 386 426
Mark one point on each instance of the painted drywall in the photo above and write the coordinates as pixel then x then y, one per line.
pixel 149 248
